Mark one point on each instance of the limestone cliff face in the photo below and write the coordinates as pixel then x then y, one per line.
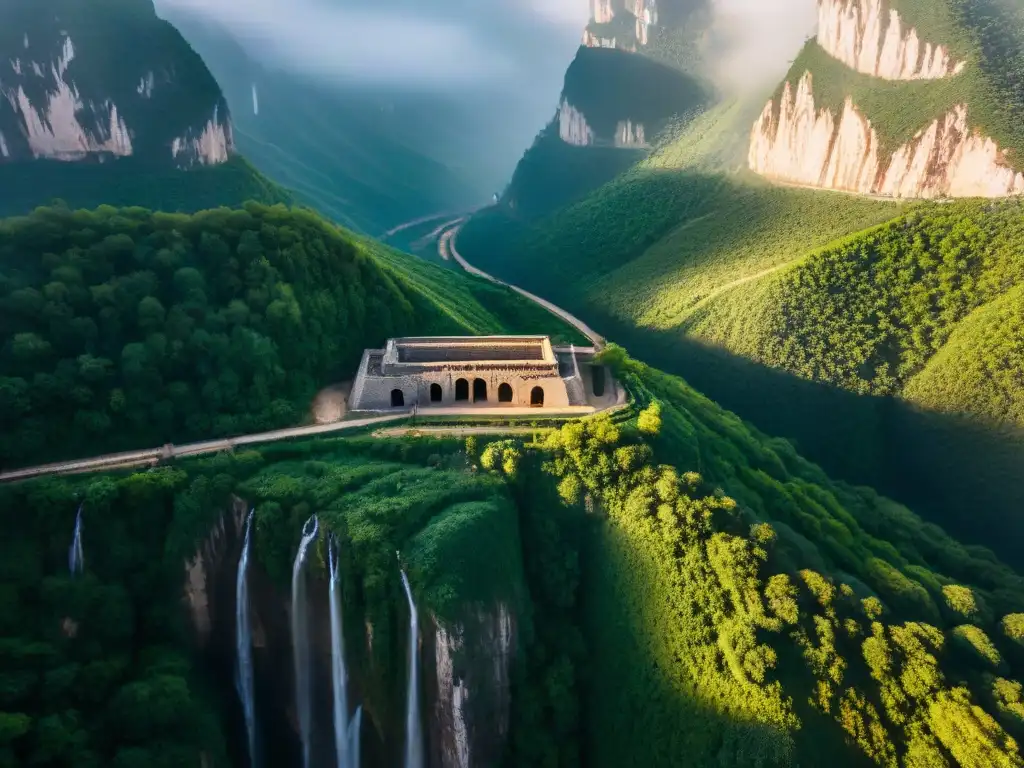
pixel 469 688
pixel 75 87
pixel 632 21
pixel 573 129
pixel 572 126
pixel 805 145
pixel 863 36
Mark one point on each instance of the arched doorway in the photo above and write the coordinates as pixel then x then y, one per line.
pixel 597 374
pixel 537 396
pixel 435 393
pixel 461 389
pixel 505 393
pixel 397 398
pixel 479 391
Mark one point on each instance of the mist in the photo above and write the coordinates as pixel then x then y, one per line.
pixel 756 41
pixel 410 44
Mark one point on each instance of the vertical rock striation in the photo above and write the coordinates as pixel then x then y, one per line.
pixel 470 695
pixel 572 126
pixel 81 83
pixel 864 37
pixel 804 145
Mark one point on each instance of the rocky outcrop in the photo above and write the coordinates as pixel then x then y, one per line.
pixel 863 36
pixel 211 571
pixel 633 30
pixel 630 135
pixel 61 125
pixel 469 687
pixel 70 91
pixel 572 126
pixel 797 143
pixel 211 146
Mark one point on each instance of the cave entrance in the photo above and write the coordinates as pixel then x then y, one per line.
pixel 537 397
pixel 435 393
pixel 461 389
pixel 397 398
pixel 505 393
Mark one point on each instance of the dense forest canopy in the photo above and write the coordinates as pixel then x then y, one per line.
pixel 688 592
pixel 124 328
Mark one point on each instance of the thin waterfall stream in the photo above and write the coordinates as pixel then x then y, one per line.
pixel 413 732
pixel 76 560
pixel 300 640
pixel 243 643
pixel 346 733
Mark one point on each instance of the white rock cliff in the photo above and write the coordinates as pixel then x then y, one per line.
pixel 50 110
pixel 572 126
pixel 856 33
pixel 807 146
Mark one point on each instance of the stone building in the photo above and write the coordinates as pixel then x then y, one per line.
pixel 479 371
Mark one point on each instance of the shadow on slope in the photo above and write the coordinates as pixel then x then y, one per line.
pixel 957 473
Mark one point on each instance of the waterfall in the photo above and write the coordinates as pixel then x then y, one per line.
pixel 353 735
pixel 300 640
pixel 76 560
pixel 243 644
pixel 413 735
pixel 346 733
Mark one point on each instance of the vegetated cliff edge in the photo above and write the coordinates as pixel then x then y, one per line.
pixel 103 81
pixel 834 142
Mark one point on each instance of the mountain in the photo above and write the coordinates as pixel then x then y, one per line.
pixel 809 311
pixel 634 74
pixel 108 95
pixel 902 99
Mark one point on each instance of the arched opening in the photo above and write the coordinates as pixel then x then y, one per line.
pixel 537 396
pixel 597 375
pixel 435 393
pixel 461 389
pixel 505 393
pixel 397 398
pixel 479 391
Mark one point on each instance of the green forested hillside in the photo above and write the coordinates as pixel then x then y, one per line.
pixel 126 328
pixel 130 182
pixel 788 307
pixel 870 313
pixel 686 591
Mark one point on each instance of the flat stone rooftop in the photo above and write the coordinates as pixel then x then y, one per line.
pixel 432 351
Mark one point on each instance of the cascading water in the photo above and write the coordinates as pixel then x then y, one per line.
pixel 346 733
pixel 413 735
pixel 243 643
pixel 76 561
pixel 300 640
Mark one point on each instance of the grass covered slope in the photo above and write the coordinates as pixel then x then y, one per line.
pixel 869 313
pixel 127 328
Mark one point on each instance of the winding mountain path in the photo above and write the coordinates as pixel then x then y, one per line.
pixel 446 247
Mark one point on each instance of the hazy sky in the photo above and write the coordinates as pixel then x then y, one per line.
pixel 423 44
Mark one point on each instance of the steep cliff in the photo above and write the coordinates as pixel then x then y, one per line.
pixel 869 107
pixel 863 36
pixel 793 141
pixel 103 81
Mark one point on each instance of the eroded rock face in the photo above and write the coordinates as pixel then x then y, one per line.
pixel 212 569
pixel 74 87
pixel 572 126
pixel 804 145
pixel 469 688
pixel 862 35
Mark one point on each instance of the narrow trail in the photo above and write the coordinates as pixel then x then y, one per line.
pixel 446 246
